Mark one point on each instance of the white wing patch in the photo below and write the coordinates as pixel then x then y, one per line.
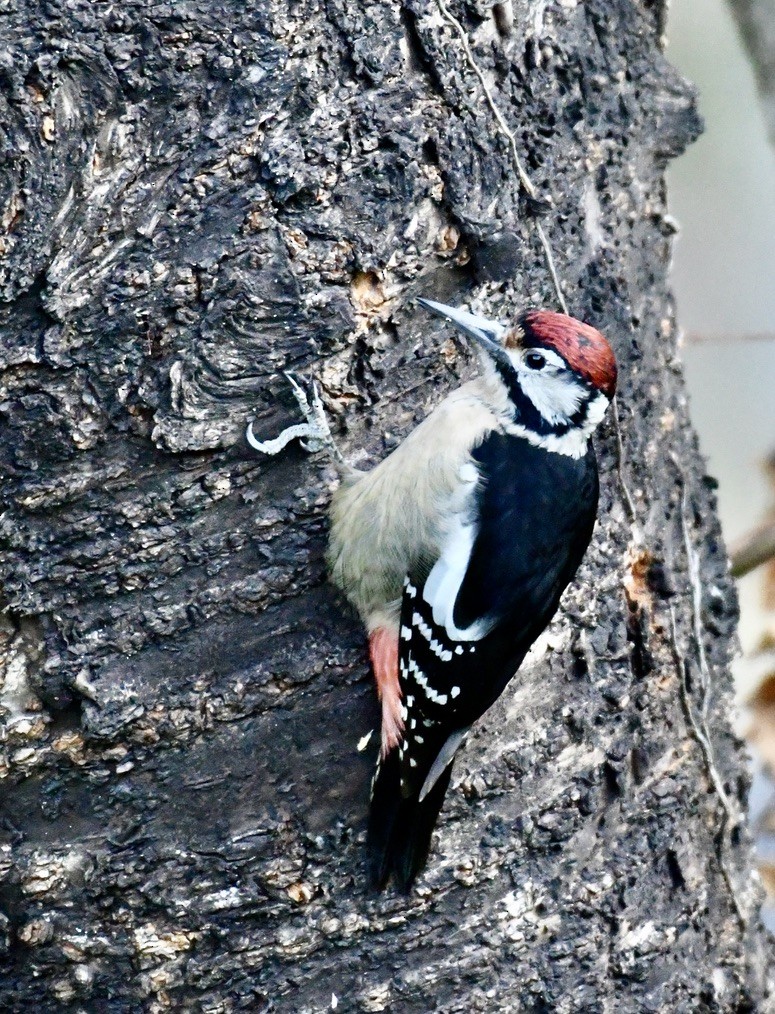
pixel 445 579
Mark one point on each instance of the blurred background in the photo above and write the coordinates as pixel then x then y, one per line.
pixel 722 192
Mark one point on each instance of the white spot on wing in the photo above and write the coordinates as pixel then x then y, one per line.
pixel 419 676
pixel 440 651
pixel 422 681
pixel 420 625
pixel 363 742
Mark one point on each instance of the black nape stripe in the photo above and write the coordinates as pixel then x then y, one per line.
pixel 527 415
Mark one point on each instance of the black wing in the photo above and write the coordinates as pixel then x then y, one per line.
pixel 466 627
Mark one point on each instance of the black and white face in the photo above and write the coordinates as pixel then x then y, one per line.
pixel 556 393
pixel 557 374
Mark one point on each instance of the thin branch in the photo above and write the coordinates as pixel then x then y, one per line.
pixel 695 583
pixel 755 21
pixel 727 337
pixel 552 267
pixel 753 549
pixel 628 500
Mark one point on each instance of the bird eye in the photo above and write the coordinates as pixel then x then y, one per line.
pixel 535 360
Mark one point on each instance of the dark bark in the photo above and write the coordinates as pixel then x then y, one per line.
pixel 199 196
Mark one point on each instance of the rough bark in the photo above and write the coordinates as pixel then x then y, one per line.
pixel 199 196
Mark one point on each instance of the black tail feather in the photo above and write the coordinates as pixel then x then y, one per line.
pixel 400 829
pixel 383 813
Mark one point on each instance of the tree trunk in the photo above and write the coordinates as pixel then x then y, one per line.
pixel 198 197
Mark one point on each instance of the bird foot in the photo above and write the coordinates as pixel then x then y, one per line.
pixel 314 434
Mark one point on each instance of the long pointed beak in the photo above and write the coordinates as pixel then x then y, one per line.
pixel 486 333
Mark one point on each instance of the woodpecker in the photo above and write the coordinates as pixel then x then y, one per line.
pixel 456 548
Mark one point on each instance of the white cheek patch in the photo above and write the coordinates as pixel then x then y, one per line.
pixel 595 412
pixel 555 395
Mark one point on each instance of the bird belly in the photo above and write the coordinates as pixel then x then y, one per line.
pixel 397 517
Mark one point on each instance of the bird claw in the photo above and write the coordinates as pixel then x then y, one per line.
pixel 314 434
pixel 311 406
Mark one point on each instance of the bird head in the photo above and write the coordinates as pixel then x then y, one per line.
pixel 555 375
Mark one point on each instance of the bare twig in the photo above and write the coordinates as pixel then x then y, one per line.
pixel 628 500
pixel 693 564
pixel 727 337
pixel 753 549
